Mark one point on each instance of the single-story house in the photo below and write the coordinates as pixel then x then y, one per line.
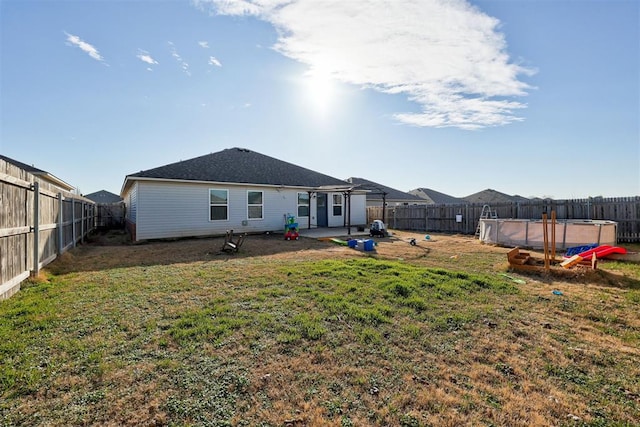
pixel 235 189
pixel 491 196
pixel 45 176
pixel 104 196
pixel 431 197
pixel 381 194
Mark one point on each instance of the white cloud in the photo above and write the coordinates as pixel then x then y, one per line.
pixel 447 57
pixel 204 44
pixel 183 64
pixel 214 61
pixel 144 56
pixel 84 46
pixel 232 7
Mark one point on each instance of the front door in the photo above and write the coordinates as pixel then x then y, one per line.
pixel 321 214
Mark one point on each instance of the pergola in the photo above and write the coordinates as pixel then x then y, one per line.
pixel 347 191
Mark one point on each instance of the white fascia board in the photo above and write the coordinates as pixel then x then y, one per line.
pixel 55 180
pixel 128 180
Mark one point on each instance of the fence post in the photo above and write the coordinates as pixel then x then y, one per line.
pixel 394 219
pixel 73 221
pixel 82 224
pixel 426 218
pixel 60 224
pixel 36 228
pixel 466 219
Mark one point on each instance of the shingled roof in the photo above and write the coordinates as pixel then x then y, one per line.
pixel 29 168
pixel 104 196
pixel 435 197
pixel 492 196
pixel 376 191
pixel 241 166
pixel 46 176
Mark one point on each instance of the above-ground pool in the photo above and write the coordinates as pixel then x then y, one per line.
pixel 528 233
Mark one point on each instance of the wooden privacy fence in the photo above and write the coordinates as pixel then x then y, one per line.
pixel 38 221
pixel 464 218
pixel 110 215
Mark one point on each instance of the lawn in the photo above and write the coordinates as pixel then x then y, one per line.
pixel 310 333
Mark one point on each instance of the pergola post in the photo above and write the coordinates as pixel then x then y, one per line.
pixel 384 206
pixel 309 215
pixel 348 213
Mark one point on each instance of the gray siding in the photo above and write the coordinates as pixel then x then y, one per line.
pixel 162 209
pixel 358 209
pixel 168 210
pixel 131 201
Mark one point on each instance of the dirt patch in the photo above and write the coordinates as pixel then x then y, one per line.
pixel 113 249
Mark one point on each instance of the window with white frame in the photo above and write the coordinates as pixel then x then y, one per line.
pixel 254 204
pixel 303 204
pixel 337 205
pixel 218 204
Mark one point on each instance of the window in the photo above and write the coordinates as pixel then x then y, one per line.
pixel 303 204
pixel 337 205
pixel 218 205
pixel 254 204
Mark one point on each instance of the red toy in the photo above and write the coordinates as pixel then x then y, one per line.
pixel 602 251
pixel 291 228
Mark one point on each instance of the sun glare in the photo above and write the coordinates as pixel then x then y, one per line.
pixel 320 91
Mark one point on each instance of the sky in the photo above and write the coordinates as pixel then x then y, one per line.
pixel 539 98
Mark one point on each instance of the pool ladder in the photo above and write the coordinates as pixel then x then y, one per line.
pixel 486 213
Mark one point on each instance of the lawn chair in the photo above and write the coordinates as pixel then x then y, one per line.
pixel 230 245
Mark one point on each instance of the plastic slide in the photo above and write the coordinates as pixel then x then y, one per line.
pixel 602 251
pixel 588 252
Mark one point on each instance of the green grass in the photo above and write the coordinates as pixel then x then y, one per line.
pixel 360 341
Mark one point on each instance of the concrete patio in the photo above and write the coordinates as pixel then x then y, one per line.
pixel 316 233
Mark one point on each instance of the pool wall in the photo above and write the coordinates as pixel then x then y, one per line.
pixel 529 233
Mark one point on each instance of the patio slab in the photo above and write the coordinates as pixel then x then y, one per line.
pixel 316 233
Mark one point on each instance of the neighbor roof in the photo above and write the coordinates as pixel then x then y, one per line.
pixel 40 173
pixel 242 166
pixel 104 196
pixel 492 196
pixel 435 197
pixel 29 168
pixel 376 191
